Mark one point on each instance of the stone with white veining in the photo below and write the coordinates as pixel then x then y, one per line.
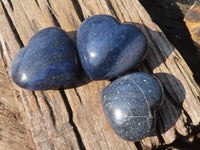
pixel 130 103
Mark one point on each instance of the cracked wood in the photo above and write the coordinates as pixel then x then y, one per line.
pixel 73 118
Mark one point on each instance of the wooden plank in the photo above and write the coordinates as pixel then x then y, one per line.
pixel 44 113
pixel 181 98
pixel 73 118
pixel 12 130
pixel 165 61
pixel 192 22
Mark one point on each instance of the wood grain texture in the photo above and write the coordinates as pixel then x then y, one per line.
pixel 192 21
pixel 45 113
pixel 12 130
pixel 73 118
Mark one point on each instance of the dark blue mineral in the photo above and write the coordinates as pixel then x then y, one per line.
pixel 129 104
pixel 108 48
pixel 48 62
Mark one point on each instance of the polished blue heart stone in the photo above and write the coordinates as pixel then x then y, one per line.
pixel 108 48
pixel 49 61
pixel 129 104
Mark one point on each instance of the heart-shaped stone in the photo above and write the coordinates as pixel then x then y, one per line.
pixel 108 48
pixel 129 104
pixel 49 61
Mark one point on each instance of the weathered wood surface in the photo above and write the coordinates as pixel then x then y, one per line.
pixel 12 131
pixel 193 23
pixel 73 118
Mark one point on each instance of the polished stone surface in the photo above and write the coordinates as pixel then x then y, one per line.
pixel 108 48
pixel 129 104
pixel 49 61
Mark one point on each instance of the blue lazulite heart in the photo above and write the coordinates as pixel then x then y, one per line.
pixel 129 104
pixel 108 48
pixel 48 62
